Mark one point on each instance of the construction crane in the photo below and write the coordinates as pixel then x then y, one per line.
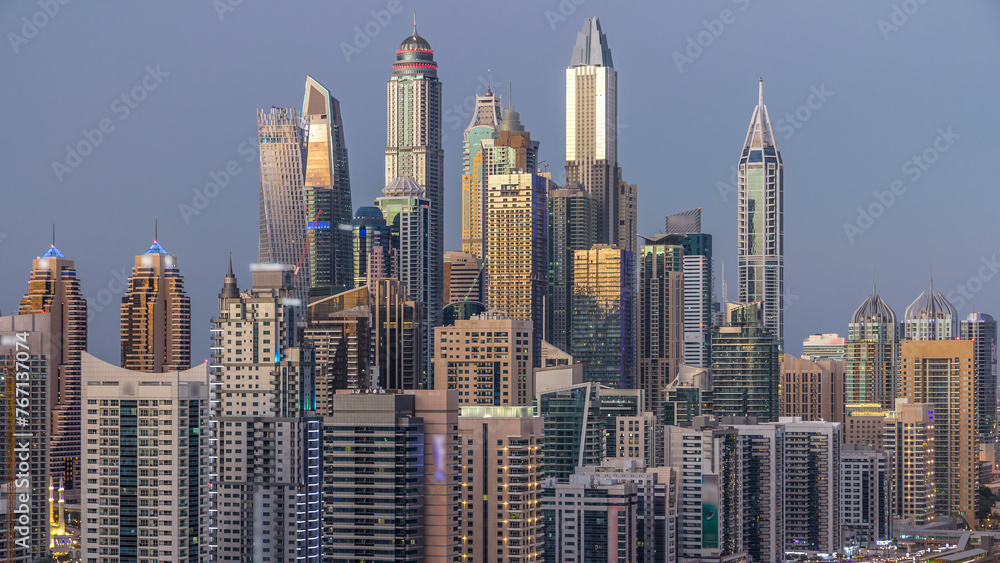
pixel 305 249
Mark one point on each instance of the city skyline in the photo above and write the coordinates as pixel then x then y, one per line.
pixel 194 233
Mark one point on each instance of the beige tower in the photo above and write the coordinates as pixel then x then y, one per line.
pixel 812 390
pixel 940 373
pixel 54 288
pixel 156 315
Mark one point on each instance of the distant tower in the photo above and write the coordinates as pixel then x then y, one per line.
pixel 413 149
pixel 746 365
pixel 484 125
pixel 54 288
pixel 930 317
pixel 572 227
pixel 327 192
pixel 699 286
pixel 283 232
pixel 156 315
pixel 371 235
pixel 982 329
pixel 872 348
pixel 661 316
pixel 761 232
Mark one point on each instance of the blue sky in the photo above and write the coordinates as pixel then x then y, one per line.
pixel 899 80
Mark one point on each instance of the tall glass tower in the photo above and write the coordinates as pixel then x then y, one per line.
pixel 982 330
pixel 328 193
pixel 872 349
pixel 761 237
pixel 484 125
pixel 413 149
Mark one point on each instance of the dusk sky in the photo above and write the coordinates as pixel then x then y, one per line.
pixel 856 90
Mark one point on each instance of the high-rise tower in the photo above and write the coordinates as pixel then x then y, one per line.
pixel 156 315
pixel 592 126
pixel 572 227
pixel 661 317
pixel 413 149
pixel 54 288
pixel 761 234
pixel 872 347
pixel 930 317
pixel 484 124
pixel 982 330
pixel 283 232
pixel 327 191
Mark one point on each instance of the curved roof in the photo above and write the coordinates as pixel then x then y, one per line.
pixel 874 309
pixel 155 248
pixel 930 305
pixel 415 43
pixel 53 252
pixel 368 212
pixel 403 186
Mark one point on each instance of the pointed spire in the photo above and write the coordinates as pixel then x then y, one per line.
pixel 414 22
pixel 489 82
pixel 230 273
pixel 53 235
pixel 760 93
pixel 229 287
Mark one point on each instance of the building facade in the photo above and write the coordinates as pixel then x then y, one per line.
pixel 496 371
pixel 909 439
pixel 812 389
pixel 982 330
pixel 872 348
pixel 827 346
pixel 372 243
pixel 745 366
pixel 865 495
pixel 761 232
pixel 463 277
pixel 661 316
pixel 591 518
pixel 156 315
pixel 484 125
pixel 572 226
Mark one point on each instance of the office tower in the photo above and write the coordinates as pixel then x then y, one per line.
pixel 615 404
pixel 763 500
pixel 413 149
pixel 516 253
pixel 26 344
pixel 54 288
pixel 656 522
pixel 156 315
pixel 687 396
pixel 661 316
pixel 395 503
pixel 827 346
pixel 982 330
pixel 864 424
pixel 865 495
pixel 941 373
pixel 761 232
pixel 574 433
pixel 153 471
pixel 572 227
pixel 397 319
pixel 327 186
pixel 510 439
pixel 699 286
pixel 812 486
pixel 638 437
pixel 930 317
pixel 408 214
pixel 710 521
pixel 592 134
pixel 270 439
pixel 591 519
pixel 284 233
pixel 745 366
pixel 463 275
pixel 685 223
pixel 909 439
pixel 339 329
pixel 812 389
pixel 497 370
pixel 871 349
pixel 484 125
pixel 604 315
pixel 371 236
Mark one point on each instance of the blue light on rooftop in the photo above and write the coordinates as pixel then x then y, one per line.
pixel 53 252
pixel 155 248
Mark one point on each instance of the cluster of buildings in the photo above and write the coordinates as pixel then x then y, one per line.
pixel 553 392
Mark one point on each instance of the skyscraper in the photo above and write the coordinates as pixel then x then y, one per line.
pixel 515 250
pixel 398 351
pixel 592 131
pixel 327 186
pixel 661 317
pixel 156 315
pixel 463 275
pixel 604 315
pixel 371 237
pixel 930 317
pixel 699 287
pixel 746 366
pixel 283 224
pixel 812 389
pixel 572 227
pixel 982 330
pixel 909 438
pixel 761 233
pixel 484 125
pixel 413 149
pixel 54 288
pixel 498 370
pixel 871 350
pixel 157 463
pixel 339 328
